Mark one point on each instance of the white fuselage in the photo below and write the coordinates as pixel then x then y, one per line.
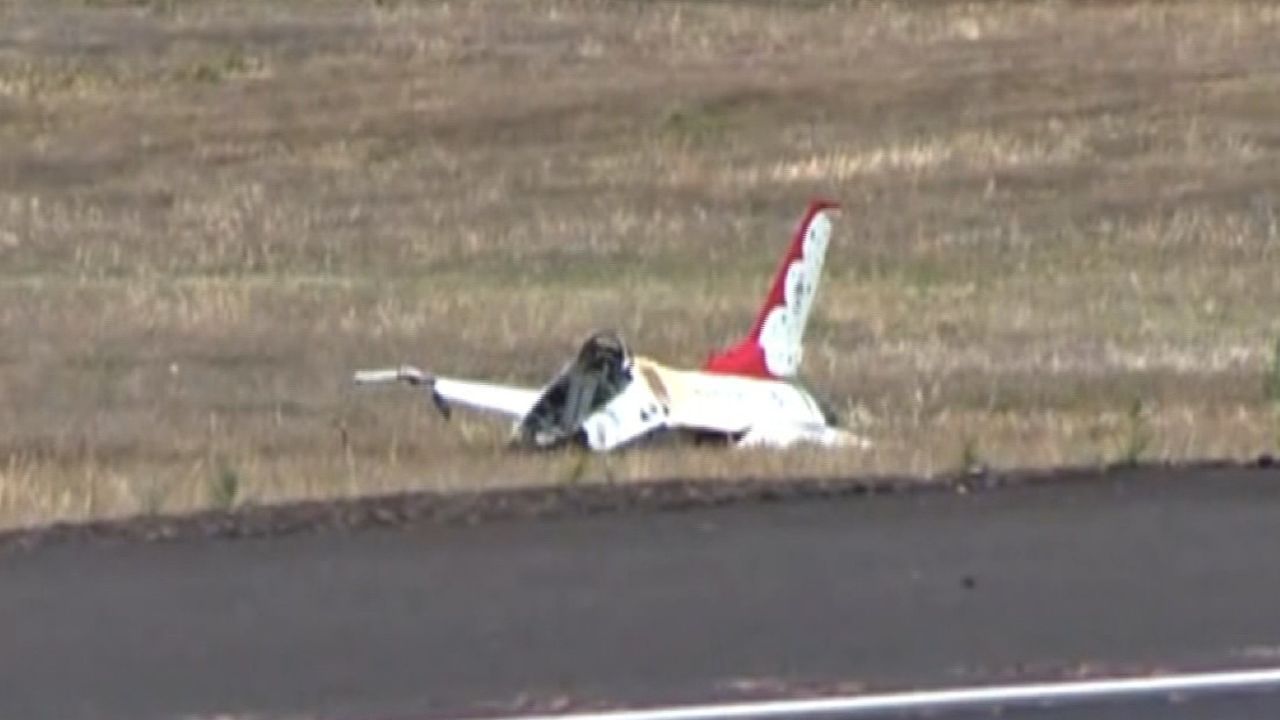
pixel 752 410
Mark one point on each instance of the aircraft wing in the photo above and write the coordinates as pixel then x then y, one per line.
pixel 488 397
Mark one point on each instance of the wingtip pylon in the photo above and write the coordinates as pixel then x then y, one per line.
pixel 405 373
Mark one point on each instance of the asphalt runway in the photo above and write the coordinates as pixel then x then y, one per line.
pixel 1135 573
pixel 1236 706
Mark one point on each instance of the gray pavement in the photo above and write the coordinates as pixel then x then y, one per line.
pixel 1234 706
pixel 1139 572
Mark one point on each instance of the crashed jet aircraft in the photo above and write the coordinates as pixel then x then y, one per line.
pixel 606 398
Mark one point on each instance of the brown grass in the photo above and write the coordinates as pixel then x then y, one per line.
pixel 211 212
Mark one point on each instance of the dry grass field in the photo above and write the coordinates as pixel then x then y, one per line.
pixel 1060 242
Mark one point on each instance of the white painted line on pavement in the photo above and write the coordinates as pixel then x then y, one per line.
pixel 948 699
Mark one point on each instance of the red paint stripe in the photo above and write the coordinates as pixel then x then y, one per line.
pixel 747 357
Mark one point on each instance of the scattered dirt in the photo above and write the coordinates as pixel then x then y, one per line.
pixel 538 503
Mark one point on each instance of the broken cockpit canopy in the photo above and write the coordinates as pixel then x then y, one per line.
pixel 601 370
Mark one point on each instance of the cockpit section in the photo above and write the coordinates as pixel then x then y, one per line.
pixel 600 372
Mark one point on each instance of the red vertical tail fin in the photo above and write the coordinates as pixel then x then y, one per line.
pixel 774 349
